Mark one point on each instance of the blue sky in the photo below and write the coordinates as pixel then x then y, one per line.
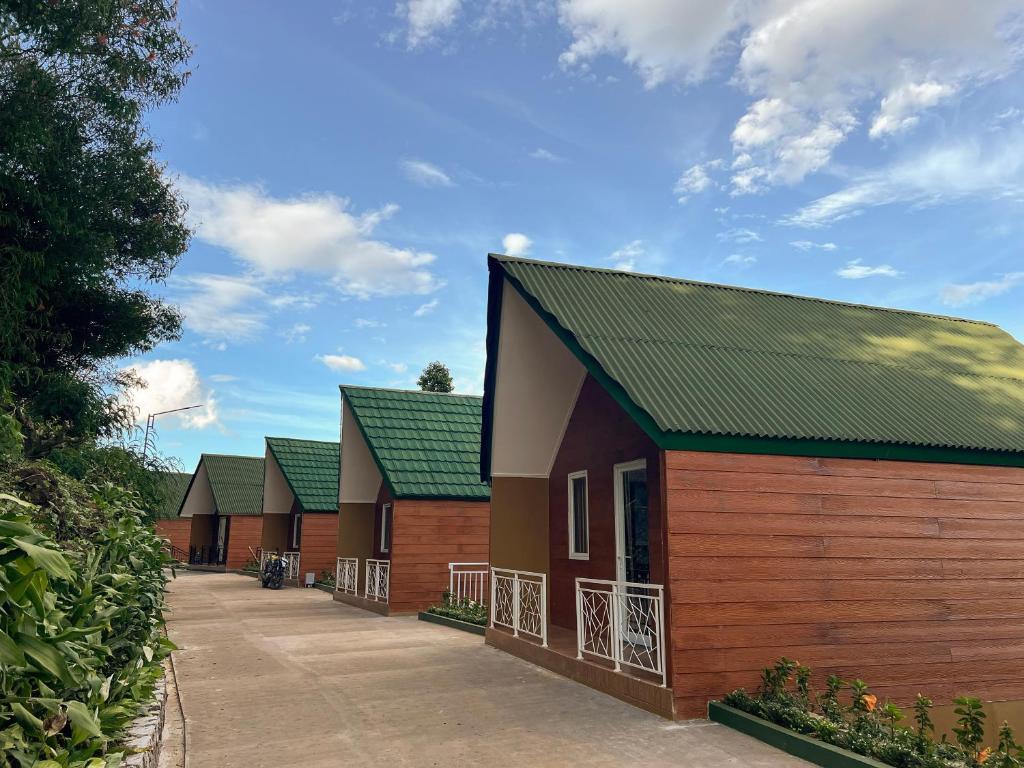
pixel 349 165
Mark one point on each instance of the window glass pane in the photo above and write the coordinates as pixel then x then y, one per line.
pixel 386 532
pixel 579 516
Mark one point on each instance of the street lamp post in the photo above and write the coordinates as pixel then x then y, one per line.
pixel 151 422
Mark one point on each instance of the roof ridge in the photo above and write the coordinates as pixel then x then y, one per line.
pixel 407 391
pixel 302 440
pixel 229 456
pixel 743 289
pixel 801 355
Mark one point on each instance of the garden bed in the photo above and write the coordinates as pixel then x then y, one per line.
pixel 448 621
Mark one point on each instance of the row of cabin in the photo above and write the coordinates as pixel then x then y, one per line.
pixel 673 484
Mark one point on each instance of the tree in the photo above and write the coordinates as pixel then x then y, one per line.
pixel 436 378
pixel 88 221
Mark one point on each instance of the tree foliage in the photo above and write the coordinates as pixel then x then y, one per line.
pixel 436 378
pixel 88 221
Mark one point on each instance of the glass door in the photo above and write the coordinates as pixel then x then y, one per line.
pixel 222 537
pixel 632 538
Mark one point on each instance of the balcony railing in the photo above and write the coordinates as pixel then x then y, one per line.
pixel 519 601
pixel 346 575
pixel 468 581
pixel 622 622
pixel 378 576
pixel 291 560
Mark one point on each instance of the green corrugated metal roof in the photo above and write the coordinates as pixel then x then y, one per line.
pixel 426 444
pixel 311 469
pixel 701 359
pixel 237 483
pixel 176 484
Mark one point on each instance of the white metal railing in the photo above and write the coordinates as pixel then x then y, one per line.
pixel 468 581
pixel 346 575
pixel 622 621
pixel 292 565
pixel 519 601
pixel 264 556
pixel 378 576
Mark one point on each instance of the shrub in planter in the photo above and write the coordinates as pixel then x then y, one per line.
pixel 462 610
pixel 848 715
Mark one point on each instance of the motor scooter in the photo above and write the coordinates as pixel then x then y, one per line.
pixel 272 576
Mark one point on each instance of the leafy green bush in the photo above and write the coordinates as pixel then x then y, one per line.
pixel 463 610
pixel 80 640
pixel 864 727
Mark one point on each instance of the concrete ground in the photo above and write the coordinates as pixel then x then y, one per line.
pixel 292 678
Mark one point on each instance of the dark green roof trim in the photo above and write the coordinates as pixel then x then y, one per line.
pixel 311 470
pixel 425 444
pixel 676 440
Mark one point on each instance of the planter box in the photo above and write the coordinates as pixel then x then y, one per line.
pixel 805 747
pixel 465 626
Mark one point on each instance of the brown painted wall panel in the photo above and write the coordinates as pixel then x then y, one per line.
pixel 275 532
pixel 177 531
pixel 419 561
pixel 319 543
pixel 355 535
pixel 599 435
pixel 244 533
pixel 907 575
pixel 203 530
pixel 519 523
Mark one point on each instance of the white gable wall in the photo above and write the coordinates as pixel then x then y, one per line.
pixel 199 500
pixel 537 382
pixel 277 496
pixel 360 478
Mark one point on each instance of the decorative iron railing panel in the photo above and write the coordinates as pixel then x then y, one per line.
pixel 346 575
pixel 623 622
pixel 468 581
pixel 292 561
pixel 378 577
pixel 519 601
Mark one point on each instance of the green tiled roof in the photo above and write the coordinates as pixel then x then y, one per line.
pixel 695 360
pixel 237 483
pixel 426 444
pixel 176 485
pixel 311 469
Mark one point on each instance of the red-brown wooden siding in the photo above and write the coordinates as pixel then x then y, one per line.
pixel 427 535
pixel 907 575
pixel 178 532
pixel 244 531
pixel 598 436
pixel 319 543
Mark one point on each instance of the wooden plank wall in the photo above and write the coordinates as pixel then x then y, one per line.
pixel 428 535
pixel 319 543
pixel 244 531
pixel 907 575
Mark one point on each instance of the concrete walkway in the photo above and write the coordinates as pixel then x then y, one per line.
pixel 291 678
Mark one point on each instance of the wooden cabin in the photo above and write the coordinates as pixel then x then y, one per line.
pixel 412 508
pixel 300 504
pixel 177 531
pixel 224 501
pixel 689 481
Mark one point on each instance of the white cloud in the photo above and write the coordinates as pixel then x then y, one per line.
pixel 220 307
pixel 294 301
pixel 342 362
pixel 223 377
pixel 543 154
pixel 856 270
pixel 813 70
pixel 426 18
pixel 941 174
pixel 170 384
pixel 740 260
pixel 959 294
pixel 296 334
pixel 425 309
pixel 900 108
pixel 695 180
pixel 397 367
pixel 808 245
pixel 426 174
pixel 315 233
pixel 516 244
pixel 362 322
pixel 625 257
pixel 739 235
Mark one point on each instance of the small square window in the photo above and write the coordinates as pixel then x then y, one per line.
pixel 579 517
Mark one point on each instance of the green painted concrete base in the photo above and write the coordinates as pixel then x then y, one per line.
pixel 465 626
pixel 796 744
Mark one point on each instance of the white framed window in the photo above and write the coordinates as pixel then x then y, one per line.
pixel 385 528
pixel 579 516
pixel 296 531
